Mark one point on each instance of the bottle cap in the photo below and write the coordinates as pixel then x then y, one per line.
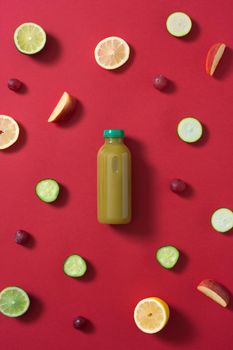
pixel 108 133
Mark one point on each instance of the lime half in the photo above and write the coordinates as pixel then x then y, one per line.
pixel 14 301
pixel 29 38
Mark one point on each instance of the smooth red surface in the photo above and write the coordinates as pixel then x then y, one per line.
pixel 122 266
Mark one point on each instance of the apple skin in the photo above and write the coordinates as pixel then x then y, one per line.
pixel 65 106
pixel 213 57
pixel 214 291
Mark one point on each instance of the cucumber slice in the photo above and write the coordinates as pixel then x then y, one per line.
pixel 189 130
pixel 222 220
pixel 47 190
pixel 75 266
pixel 178 24
pixel 167 256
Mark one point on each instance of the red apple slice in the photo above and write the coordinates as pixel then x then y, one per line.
pixel 214 291
pixel 64 107
pixel 213 57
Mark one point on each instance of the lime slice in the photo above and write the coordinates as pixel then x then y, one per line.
pixel 29 38
pixel 179 24
pixel 14 301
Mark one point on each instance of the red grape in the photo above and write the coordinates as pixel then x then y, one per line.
pixel 14 84
pixel 177 185
pixel 160 82
pixel 21 237
pixel 79 322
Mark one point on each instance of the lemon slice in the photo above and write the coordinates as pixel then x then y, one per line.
pixel 9 131
pixel 151 315
pixel 29 38
pixel 112 52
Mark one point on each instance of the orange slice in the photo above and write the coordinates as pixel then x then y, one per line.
pixel 9 131
pixel 151 315
pixel 112 52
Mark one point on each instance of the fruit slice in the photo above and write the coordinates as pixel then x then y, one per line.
pixel 112 52
pixel 151 315
pixel 178 24
pixel 14 301
pixel 9 131
pixel 29 38
pixel 167 256
pixel 47 190
pixel 75 266
pixel 213 57
pixel 214 291
pixel 64 106
pixel 222 220
pixel 189 129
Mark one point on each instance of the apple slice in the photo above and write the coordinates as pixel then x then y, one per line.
pixel 213 57
pixel 63 107
pixel 214 291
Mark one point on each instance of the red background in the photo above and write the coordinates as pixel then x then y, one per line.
pixel 122 268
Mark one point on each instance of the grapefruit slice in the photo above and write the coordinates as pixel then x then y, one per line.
pixel 112 52
pixel 9 131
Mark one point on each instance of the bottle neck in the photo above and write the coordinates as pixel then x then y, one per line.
pixel 114 140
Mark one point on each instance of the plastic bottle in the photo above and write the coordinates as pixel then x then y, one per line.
pixel 114 179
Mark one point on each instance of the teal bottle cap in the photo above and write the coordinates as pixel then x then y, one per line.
pixel 108 133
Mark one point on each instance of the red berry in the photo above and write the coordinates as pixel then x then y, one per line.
pixel 14 84
pixel 79 322
pixel 177 185
pixel 21 237
pixel 160 82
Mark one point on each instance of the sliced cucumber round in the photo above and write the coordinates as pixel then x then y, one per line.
pixel 189 129
pixel 167 256
pixel 178 24
pixel 222 220
pixel 47 190
pixel 75 266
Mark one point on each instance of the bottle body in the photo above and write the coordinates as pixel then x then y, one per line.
pixel 114 182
